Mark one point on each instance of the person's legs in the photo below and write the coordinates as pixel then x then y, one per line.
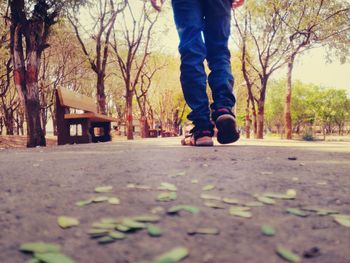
pixel 217 25
pixel 189 20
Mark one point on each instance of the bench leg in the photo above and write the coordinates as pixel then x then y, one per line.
pixel 106 126
pixel 107 132
pixel 85 127
pixel 86 135
pixel 63 134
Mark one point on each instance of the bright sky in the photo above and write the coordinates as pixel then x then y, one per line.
pixel 311 67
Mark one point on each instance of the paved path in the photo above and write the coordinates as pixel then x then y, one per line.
pixel 38 185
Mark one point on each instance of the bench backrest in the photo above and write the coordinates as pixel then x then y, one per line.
pixel 75 100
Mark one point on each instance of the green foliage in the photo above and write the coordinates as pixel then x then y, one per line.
pixel 333 107
pixel 311 105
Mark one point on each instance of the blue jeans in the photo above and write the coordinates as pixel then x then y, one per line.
pixel 204 29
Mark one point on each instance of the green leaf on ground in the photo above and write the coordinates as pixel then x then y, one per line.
pixel 240 208
pixel 326 212
pixel 122 228
pixel 245 214
pixel 132 224
pixel 240 212
pixel 343 220
pixel 214 205
pixel 167 187
pixel 210 197
pixel 297 212
pixel 106 240
pixel 265 200
pixel 208 187
pixel 104 189
pixel 97 232
pixel 53 258
pixel 268 230
pixel 320 211
pixel 114 201
pixel 147 218
pixel 154 231
pixel 253 204
pixel 99 199
pixel 175 255
pixel 103 225
pixel 178 174
pixel 109 220
pixel 157 209
pixel 66 222
pixel 204 231
pixel 167 196
pixel 39 247
pixel 288 255
pixel 83 202
pixel 231 201
pixel 188 208
pixel 33 260
pixel 138 186
pixel 194 181
pixel 116 235
pixel 290 194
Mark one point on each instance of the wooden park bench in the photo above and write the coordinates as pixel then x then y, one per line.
pixel 89 119
pixel 167 134
pixel 153 133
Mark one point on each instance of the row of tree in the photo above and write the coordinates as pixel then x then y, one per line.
pixel 271 35
pixel 110 49
pixel 314 109
pixel 101 49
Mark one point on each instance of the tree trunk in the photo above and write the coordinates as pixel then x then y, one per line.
pixel 129 117
pixel 260 122
pixel 175 127
pixel 43 117
pixel 247 120
pixel 261 106
pixel 25 73
pixel 53 117
pixel 101 96
pixel 36 135
pixel 43 110
pixel 254 115
pixel 255 123
pixel 288 100
pixel 144 127
pixel 34 131
pixel 340 129
pixel 150 118
pixel 1 125
pixel 21 123
pixel 8 117
pixel 9 122
pixel 324 132
pixel 9 127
